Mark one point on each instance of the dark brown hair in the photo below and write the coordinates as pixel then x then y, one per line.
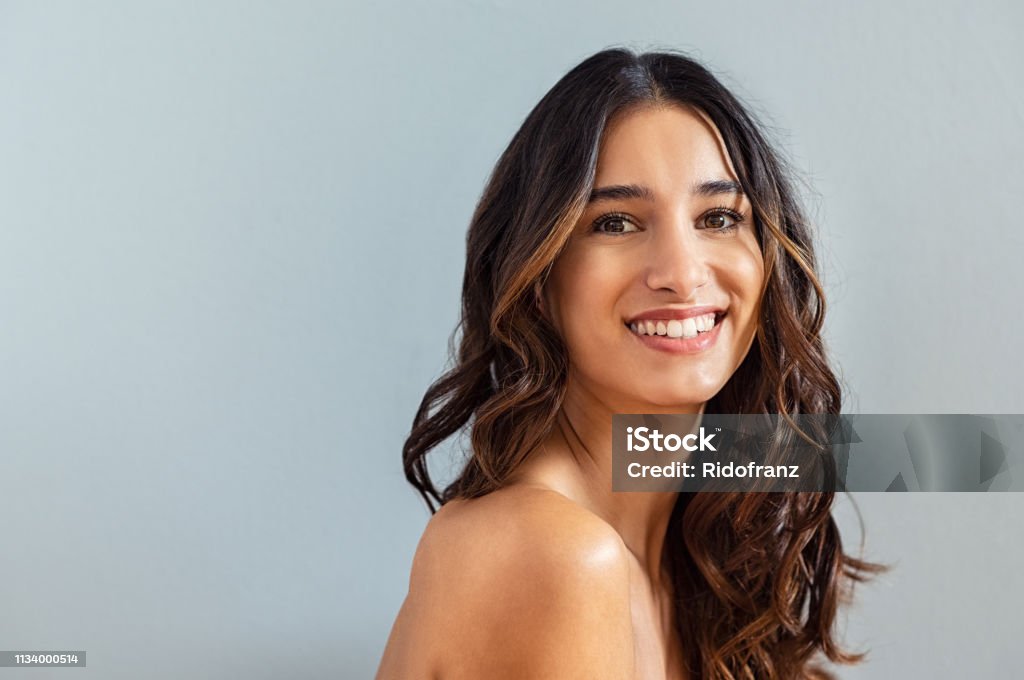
pixel 762 575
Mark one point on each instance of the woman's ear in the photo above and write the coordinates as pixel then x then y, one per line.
pixel 538 294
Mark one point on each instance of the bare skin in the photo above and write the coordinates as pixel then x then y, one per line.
pixel 555 576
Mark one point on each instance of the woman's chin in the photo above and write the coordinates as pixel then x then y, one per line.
pixel 675 402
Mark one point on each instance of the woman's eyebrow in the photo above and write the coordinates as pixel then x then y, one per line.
pixel 712 187
pixel 620 192
pixel 715 187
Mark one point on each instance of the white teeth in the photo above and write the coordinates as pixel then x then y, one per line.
pixel 675 328
pixel 705 322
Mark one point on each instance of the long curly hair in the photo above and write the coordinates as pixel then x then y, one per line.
pixel 762 575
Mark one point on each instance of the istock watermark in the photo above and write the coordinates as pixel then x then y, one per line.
pixel 817 452
pixel 648 439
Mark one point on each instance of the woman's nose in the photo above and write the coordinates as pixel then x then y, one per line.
pixel 677 260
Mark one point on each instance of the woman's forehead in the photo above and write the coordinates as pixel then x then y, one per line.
pixel 662 144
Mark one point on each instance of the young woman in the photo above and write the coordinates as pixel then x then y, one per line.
pixel 639 248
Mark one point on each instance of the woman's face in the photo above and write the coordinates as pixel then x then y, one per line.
pixel 667 233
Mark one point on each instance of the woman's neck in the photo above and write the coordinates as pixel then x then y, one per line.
pixel 576 460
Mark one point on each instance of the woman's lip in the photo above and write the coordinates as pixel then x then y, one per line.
pixel 669 313
pixel 663 343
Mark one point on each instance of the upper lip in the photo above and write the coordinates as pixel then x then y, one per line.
pixel 668 313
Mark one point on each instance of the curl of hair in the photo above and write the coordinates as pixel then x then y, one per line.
pixel 760 576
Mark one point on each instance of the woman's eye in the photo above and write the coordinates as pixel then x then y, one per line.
pixel 721 220
pixel 614 224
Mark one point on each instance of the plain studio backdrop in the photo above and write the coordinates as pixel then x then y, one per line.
pixel 231 249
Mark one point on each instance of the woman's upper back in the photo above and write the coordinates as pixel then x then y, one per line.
pixel 521 583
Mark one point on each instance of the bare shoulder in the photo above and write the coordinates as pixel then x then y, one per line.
pixel 517 529
pixel 522 582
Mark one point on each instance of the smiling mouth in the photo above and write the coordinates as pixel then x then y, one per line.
pixel 677 328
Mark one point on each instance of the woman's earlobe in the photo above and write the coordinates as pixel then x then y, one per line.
pixel 538 295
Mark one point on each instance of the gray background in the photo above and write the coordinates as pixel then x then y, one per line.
pixel 231 242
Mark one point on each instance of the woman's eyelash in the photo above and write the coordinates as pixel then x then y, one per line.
pixel 736 217
pixel 611 217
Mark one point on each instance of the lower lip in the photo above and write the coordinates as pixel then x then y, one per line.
pixel 663 343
